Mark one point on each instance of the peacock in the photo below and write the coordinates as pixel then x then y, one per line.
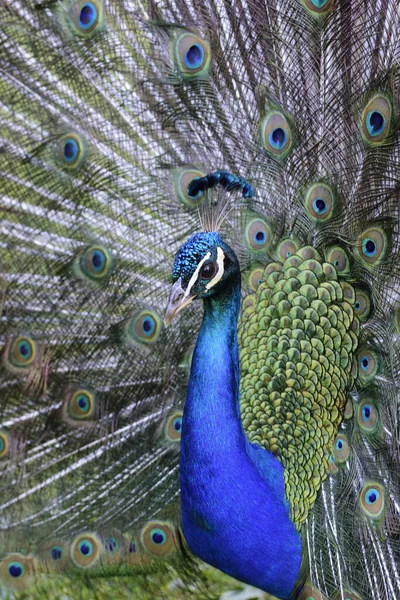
pixel 200 293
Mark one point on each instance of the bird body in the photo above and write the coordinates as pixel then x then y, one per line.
pixel 253 148
pixel 216 457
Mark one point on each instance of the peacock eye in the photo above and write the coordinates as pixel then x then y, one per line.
pixel 56 553
pixel 208 270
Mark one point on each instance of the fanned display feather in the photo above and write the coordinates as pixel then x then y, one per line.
pixel 125 128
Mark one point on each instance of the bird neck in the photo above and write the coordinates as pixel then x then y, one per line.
pixel 232 492
pixel 213 394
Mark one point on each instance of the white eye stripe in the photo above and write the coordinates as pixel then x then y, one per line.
pixel 220 272
pixel 195 275
pixel 216 278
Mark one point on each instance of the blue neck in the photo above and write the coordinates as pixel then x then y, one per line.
pixel 215 374
pixel 234 512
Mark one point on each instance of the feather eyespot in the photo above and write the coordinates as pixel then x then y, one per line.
pixel 86 17
pixel 134 555
pixel 318 7
pixel 54 554
pixel 85 547
pixel 256 277
pixel 71 151
pixel 173 427
pixel 111 544
pixel 368 364
pixel 145 327
pixel 367 417
pixel 132 549
pixel 337 257
pixel 276 135
pixel 341 449
pixel 372 245
pixel 372 499
pixel 192 55
pixel 85 550
pixel 16 570
pixel 4 444
pixel 158 538
pixel 96 263
pixel 115 548
pixel 286 248
pixel 80 405
pixel 319 202
pixel 369 247
pixel 182 179
pixel 258 235
pixel 376 118
pixel 362 305
pixel 177 424
pixel 22 352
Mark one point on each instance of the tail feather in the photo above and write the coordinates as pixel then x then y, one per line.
pixel 101 131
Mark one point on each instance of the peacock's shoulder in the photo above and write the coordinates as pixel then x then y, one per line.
pixel 298 335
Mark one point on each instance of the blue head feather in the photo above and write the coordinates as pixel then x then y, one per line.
pixel 191 253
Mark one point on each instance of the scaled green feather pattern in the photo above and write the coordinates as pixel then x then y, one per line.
pixel 297 347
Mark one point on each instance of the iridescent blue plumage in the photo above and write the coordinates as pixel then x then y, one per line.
pixel 190 254
pixel 234 512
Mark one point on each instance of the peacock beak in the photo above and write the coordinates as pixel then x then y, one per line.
pixel 177 301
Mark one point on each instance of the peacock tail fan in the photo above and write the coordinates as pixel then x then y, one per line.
pixel 285 115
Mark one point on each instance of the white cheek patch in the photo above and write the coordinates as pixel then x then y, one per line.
pixel 220 272
pixel 195 275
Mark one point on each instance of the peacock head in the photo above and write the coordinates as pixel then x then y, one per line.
pixel 204 266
